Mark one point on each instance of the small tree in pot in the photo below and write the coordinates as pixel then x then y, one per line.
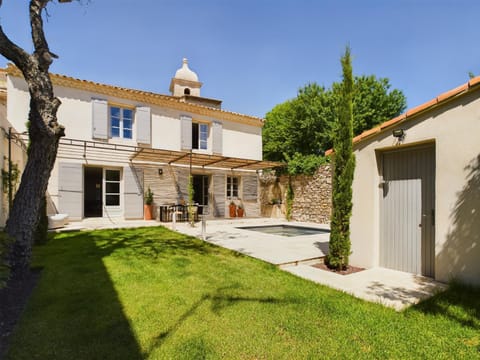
pixel 148 207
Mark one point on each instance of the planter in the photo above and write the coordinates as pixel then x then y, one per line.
pixel 233 210
pixel 148 212
pixel 240 212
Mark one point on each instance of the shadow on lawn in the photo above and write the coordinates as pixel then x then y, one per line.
pixel 460 303
pixel 219 300
pixel 75 311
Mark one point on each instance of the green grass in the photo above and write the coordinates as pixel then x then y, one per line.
pixel 152 293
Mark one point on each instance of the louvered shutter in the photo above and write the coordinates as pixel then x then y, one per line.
pixel 250 187
pixel 219 195
pixel 133 192
pixel 143 120
pixel 186 132
pixel 99 119
pixel 217 136
pixel 70 190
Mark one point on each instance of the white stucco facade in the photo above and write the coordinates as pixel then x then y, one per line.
pixel 158 123
pixel 452 128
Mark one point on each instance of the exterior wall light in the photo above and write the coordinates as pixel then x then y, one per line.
pixel 398 133
pixel 160 171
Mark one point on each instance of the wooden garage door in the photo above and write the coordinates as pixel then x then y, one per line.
pixel 407 230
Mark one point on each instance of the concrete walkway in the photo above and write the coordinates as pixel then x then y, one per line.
pixel 390 288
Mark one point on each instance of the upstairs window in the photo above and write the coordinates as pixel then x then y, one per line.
pixel 232 186
pixel 121 122
pixel 199 136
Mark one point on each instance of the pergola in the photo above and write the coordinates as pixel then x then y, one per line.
pixel 102 151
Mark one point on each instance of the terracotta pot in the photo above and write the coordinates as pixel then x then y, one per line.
pixel 240 212
pixel 148 212
pixel 233 210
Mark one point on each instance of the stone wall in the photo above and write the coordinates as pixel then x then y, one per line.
pixel 312 196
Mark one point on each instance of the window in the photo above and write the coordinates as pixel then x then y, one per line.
pixel 112 187
pixel 232 186
pixel 199 136
pixel 121 121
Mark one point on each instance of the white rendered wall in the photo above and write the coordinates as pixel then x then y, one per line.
pixel 454 129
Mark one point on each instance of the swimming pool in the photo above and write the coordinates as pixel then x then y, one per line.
pixel 286 230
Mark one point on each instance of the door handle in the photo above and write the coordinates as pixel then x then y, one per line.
pixel 421 221
pixel 433 217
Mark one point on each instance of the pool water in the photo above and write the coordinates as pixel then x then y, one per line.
pixel 286 230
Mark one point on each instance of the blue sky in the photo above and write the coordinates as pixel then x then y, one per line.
pixel 254 54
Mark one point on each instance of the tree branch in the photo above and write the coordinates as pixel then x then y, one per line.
pixel 42 52
pixel 12 51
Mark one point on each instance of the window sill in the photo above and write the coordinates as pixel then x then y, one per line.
pixel 121 141
pixel 199 151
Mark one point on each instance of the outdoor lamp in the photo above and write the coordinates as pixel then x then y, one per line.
pixel 398 133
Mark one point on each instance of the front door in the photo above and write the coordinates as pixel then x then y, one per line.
pixel 200 191
pixel 92 200
pixel 407 234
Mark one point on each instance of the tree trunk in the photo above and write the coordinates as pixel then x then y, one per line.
pixel 24 215
pixel 44 133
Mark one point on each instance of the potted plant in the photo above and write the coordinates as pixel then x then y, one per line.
pixel 148 207
pixel 232 209
pixel 240 211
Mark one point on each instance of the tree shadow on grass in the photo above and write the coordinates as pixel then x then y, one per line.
pixel 219 300
pixel 75 311
pixel 460 303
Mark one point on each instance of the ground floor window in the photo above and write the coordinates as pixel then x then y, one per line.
pixel 112 187
pixel 232 186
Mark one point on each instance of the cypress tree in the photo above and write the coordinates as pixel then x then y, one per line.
pixel 344 165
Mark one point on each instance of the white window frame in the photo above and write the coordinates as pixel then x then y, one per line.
pixel 230 187
pixel 121 127
pixel 205 129
pixel 105 193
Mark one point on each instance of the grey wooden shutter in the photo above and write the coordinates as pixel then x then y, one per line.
pixel 133 192
pixel 250 187
pixel 70 190
pixel 99 119
pixel 186 132
pixel 219 190
pixel 143 120
pixel 217 137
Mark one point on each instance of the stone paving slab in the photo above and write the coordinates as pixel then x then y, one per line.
pixel 388 287
pixel 274 249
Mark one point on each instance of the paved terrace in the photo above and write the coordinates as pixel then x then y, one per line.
pixel 391 288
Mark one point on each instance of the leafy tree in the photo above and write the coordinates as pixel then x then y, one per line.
pixel 344 165
pixel 373 103
pixel 44 134
pixel 301 129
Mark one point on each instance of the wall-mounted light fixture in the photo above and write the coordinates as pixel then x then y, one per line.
pixel 160 171
pixel 398 133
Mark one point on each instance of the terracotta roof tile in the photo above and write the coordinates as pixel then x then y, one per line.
pixel 420 108
pixel 452 92
pixel 393 121
pixel 459 90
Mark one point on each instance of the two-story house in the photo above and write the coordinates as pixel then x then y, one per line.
pixel 121 141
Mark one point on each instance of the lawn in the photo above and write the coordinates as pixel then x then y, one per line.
pixel 152 293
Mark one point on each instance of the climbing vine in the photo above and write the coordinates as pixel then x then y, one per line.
pixel 15 176
pixel 289 199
